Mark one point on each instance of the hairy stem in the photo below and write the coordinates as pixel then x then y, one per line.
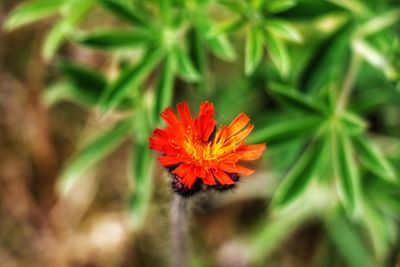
pixel 178 231
pixel 348 83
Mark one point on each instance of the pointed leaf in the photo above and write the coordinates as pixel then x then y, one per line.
pixel 221 47
pixel 349 243
pixel 115 39
pixel 373 159
pixel 284 131
pixel 284 30
pixel 31 11
pixel 165 86
pixel 374 57
pixel 125 12
pixel 64 27
pixel 253 50
pixel 353 123
pixel 93 153
pixel 277 6
pixel 130 78
pixel 185 67
pixel 379 23
pixel 142 160
pixel 296 100
pixel 278 53
pixel 87 82
pixel 300 175
pixel 346 174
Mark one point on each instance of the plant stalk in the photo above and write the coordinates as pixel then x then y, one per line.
pixel 178 231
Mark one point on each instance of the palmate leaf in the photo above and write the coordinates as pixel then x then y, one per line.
pixel 295 100
pixel 130 78
pixel 373 159
pixel 32 11
pixel 93 153
pixel 125 12
pixel 286 130
pixel 253 50
pixel 345 171
pixel 298 178
pixel 116 39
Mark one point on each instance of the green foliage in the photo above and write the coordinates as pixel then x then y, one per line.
pixel 330 73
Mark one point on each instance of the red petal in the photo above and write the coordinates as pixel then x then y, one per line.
pixel 169 117
pixel 169 160
pixel 238 124
pixel 233 168
pixel 222 177
pixel 243 134
pixel 184 113
pixel 250 152
pixel 183 169
pixel 189 179
pixel 209 179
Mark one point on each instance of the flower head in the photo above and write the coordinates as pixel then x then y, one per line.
pixel 200 156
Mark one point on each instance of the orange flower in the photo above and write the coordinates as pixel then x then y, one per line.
pixel 198 155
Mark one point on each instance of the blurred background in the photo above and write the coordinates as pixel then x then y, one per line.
pixel 81 87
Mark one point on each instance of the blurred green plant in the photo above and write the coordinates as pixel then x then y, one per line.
pixel 332 71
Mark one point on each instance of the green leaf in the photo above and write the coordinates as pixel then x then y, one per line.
pixel 298 101
pixel 349 244
pixel 93 153
pixel 31 11
pixel 226 27
pixel 277 6
pixel 221 47
pixel 286 130
pixel 378 23
pixel 130 79
pixel 353 123
pixel 346 174
pixel 283 29
pixel 64 27
pixel 82 76
pixel 87 82
pixel 253 50
pixel 142 160
pixel 354 6
pixel 374 57
pixel 125 12
pixel 328 60
pixel 54 39
pixel 300 175
pixel 115 39
pixel 373 159
pixel 165 86
pixel 185 67
pixel 278 53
